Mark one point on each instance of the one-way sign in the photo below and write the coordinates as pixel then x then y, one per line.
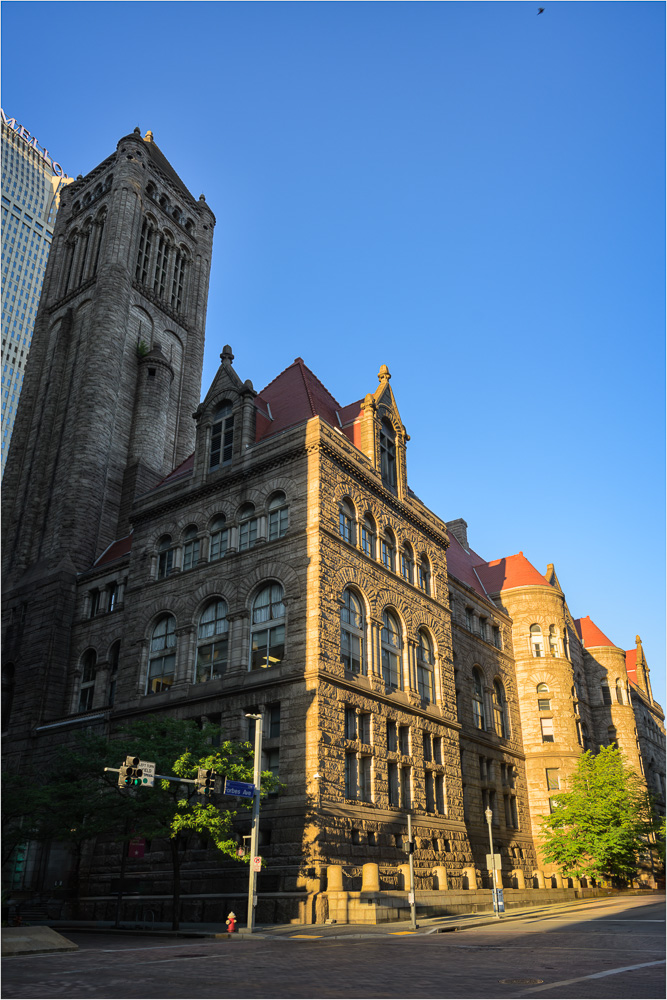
pixel 242 789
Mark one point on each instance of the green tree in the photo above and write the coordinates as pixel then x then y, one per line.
pixel 173 811
pixel 602 822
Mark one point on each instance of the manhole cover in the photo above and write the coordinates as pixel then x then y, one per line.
pixel 521 982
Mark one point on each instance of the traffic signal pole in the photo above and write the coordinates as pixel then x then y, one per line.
pixel 254 836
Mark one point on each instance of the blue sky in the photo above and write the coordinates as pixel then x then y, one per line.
pixel 469 193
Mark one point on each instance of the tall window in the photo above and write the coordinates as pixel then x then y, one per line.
pixel 352 633
pixel 162 656
pixel 391 650
pixel 87 689
pixel 407 563
pixel 499 719
pixel 553 641
pixel 247 527
pixel 388 454
pixel 547 727
pixel 536 643
pixel 222 436
pixel 553 779
pixel 268 628
pixel 190 547
pixel 425 664
pixel 278 516
pixel 389 549
pixel 219 539
pixel 212 641
pixel 346 521
pixel 368 536
pixel 478 700
pixel 165 559
pixel 425 575
pixel 392 777
pixel 619 692
pixel 606 693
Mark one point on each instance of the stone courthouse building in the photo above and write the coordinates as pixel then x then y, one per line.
pixel 263 551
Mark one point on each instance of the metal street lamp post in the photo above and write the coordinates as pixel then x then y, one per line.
pixel 254 833
pixel 496 902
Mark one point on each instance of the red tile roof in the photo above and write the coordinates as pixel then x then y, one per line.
pixel 631 664
pixel 512 571
pixel 590 634
pixel 293 397
pixel 460 565
pixel 119 548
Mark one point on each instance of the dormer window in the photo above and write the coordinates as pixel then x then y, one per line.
pixel 222 437
pixel 388 454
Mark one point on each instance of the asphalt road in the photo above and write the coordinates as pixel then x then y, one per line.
pixel 601 949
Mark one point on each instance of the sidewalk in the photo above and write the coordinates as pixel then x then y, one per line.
pixel 428 925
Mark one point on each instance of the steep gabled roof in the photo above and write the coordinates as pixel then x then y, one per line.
pixel 293 397
pixel 460 565
pixel 163 164
pixel 512 571
pixel 116 550
pixel 590 634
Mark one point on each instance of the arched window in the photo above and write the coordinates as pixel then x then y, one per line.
pixel 425 665
pixel 536 643
pixel 268 628
pixel 388 454
pixel 543 704
pixel 212 641
pixel 499 709
pixel 190 547
pixel 352 633
pixel 217 548
pixel 247 527
pixel 165 559
pixel 368 536
pixel 619 692
pixel 346 521
pixel 391 650
pixel 389 549
pixel 407 563
pixel 606 693
pixel 278 516
pixel 478 700
pixel 553 640
pixel 222 436
pixel 7 693
pixel 144 254
pixel 162 656
pixel 87 687
pixel 114 663
pixel 425 574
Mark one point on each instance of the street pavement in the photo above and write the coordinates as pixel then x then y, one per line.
pixel 600 948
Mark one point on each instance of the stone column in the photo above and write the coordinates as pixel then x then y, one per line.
pixel 101 694
pixel 186 643
pixel 334 878
pixel 539 875
pixel 471 875
pixel 375 651
pixel 411 647
pixel 405 876
pixel 440 873
pixel 520 879
pixel 559 879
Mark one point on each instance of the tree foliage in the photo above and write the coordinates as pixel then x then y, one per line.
pixel 602 822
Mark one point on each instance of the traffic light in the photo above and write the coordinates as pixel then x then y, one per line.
pixel 130 773
pixel 207 781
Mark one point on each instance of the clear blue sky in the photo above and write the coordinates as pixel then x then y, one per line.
pixel 469 193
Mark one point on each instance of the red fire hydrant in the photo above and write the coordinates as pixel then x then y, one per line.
pixel 231 923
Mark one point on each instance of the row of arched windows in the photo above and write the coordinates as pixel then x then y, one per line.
pixel 354 647
pixel 383 544
pixel 221 537
pixel 161 264
pixel 173 211
pixel 499 720
pixel 91 196
pixel 82 253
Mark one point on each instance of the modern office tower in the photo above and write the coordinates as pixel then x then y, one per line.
pixel 31 185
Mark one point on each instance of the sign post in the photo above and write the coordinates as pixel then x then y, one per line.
pixel 256 863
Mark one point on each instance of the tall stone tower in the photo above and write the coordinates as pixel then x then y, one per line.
pixel 111 384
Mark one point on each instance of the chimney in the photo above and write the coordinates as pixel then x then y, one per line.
pixel 459 529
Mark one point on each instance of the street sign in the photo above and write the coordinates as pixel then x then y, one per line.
pixel 147 773
pixel 257 864
pixel 497 865
pixel 242 789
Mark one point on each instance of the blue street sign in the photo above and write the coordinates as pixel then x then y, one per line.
pixel 243 789
pixel 498 901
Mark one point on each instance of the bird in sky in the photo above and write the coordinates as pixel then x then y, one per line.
pixel 540 10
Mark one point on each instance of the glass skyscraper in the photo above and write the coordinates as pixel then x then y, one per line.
pixel 31 185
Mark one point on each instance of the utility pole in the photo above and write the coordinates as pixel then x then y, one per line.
pixel 411 862
pixel 496 901
pixel 254 834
